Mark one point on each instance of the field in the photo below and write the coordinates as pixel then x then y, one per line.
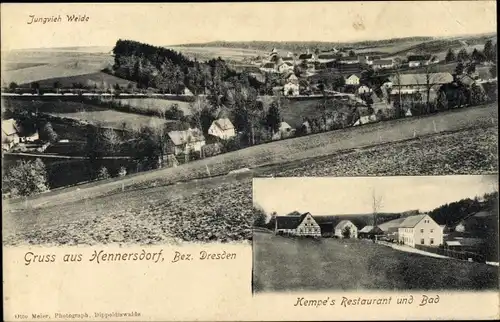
pixel 287 264
pixel 26 66
pixel 99 79
pixel 152 209
pixel 86 112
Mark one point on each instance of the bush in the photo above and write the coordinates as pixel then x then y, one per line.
pixel 102 173
pixel 26 178
pixel 122 172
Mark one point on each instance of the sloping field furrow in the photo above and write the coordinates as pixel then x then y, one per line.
pixel 286 151
pixel 220 208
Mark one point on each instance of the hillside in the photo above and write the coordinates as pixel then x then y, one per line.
pixel 139 208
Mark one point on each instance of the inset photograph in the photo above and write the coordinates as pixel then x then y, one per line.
pixel 375 233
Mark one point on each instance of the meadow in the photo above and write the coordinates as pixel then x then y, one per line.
pixel 157 105
pixel 99 80
pixel 156 206
pixel 293 264
pixel 39 64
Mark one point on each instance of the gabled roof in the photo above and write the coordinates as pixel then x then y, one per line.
pixel 366 229
pixel 284 125
pixel 287 58
pixel 421 79
pixel 268 65
pixel 357 75
pixel 411 221
pixel 224 124
pixel 349 58
pixel 327 56
pixel 383 62
pixel 343 223
pixel 289 222
pixel 182 137
pixel 418 57
pixel 305 56
pixel 391 224
pixel 9 127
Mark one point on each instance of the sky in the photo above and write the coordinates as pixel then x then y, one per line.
pixel 353 195
pixel 177 23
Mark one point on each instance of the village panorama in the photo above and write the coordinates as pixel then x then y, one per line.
pixel 383 241
pixel 145 143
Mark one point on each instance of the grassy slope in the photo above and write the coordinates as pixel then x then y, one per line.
pixel 52 63
pixel 285 264
pixel 91 79
pixel 280 152
pixel 220 208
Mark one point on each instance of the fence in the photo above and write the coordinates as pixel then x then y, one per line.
pixel 463 255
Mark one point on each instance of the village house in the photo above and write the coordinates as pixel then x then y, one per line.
pixel 284 131
pixel 365 119
pixel 363 89
pixel 285 67
pixel 382 64
pixel 415 61
pixel 349 60
pixel 370 232
pixel 307 57
pixel 324 58
pixel 353 79
pixel 291 89
pixel 368 59
pixel 268 68
pixel 303 225
pixel 413 83
pixel 345 226
pixel 222 128
pixel 184 142
pixel 10 134
pixel 420 230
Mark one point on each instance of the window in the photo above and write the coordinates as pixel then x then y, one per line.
pixel 432 230
pixel 308 218
pixel 432 241
pixel 422 230
pixel 422 241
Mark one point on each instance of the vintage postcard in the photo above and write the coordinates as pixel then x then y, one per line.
pixel 249 161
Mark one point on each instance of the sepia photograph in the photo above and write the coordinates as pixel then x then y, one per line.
pixel 375 233
pixel 278 149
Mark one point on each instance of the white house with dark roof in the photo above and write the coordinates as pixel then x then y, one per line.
pixel 382 64
pixel 353 79
pixel 10 134
pixel 222 128
pixel 420 230
pixel 413 83
pixel 183 142
pixel 297 225
pixel 342 226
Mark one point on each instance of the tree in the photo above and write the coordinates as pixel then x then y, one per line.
pixel 57 86
pixel 450 56
pixel 13 86
pixel 352 53
pixel 122 172
pixel 35 87
pixel 488 51
pixel 471 68
pixel 376 206
pixel 459 69
pixel 48 133
pixel 26 178
pixel 102 173
pixel 462 55
pixel 259 218
pixel 111 141
pixel 346 232
pixel 273 117
pixel 477 56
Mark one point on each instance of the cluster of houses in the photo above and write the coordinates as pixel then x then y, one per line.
pixel 419 229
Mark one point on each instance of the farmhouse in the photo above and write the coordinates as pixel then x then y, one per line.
pixel 291 89
pixel 420 230
pixel 222 128
pixel 302 225
pixel 418 60
pixel 413 83
pixel 346 229
pixel 10 134
pixel 352 80
pixel 370 232
pixel 368 59
pixel 285 67
pixel 326 57
pixel 307 57
pixel 268 68
pixel 383 64
pixel 184 142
